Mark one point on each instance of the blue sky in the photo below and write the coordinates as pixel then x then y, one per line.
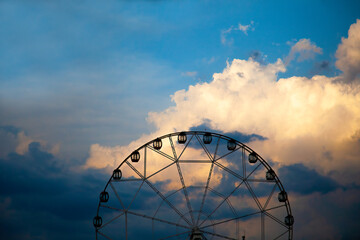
pixel 81 77
pixel 131 55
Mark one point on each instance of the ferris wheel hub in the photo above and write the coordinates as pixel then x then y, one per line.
pixel 197 235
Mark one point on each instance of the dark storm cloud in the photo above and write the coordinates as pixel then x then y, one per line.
pixel 10 129
pixel 298 178
pixel 244 138
pixel 8 139
pixel 333 215
pixel 40 197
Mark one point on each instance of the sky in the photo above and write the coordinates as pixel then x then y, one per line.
pixel 83 83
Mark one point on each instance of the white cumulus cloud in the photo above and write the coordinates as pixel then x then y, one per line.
pixel 348 53
pixel 314 121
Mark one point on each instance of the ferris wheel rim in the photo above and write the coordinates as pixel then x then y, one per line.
pixel 219 136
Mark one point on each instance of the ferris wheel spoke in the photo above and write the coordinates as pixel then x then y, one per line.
pixel 275 218
pixel 282 234
pixel 161 153
pixel 173 148
pixel 117 195
pixel 157 210
pixel 253 171
pixel 175 235
pixel 102 234
pixel 221 203
pixel 135 195
pixel 182 181
pixel 272 208
pixel 186 146
pixel 113 219
pixel 128 180
pixel 185 192
pixel 168 203
pixel 145 162
pixel 205 192
pixel 231 219
pixel 160 170
pixel 157 219
pixel 123 211
pixel 243 161
pixel 227 154
pixel 159 193
pixel 216 192
pixel 270 196
pixel 135 170
pixel 195 161
pixel 216 148
pixel 253 195
pixel 228 170
pixel 226 199
pixel 262 226
pixel 243 180
pixel 261 180
pixel 205 149
pixel 231 207
pixel 174 192
pixel 219 235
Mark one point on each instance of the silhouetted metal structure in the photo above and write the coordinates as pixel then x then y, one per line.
pixel 182 138
pixel 162 192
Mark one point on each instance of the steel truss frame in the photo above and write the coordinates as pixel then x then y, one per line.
pixel 194 221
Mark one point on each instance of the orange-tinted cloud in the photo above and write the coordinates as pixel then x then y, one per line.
pixel 314 121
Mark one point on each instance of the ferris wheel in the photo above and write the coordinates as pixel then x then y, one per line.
pixel 193 185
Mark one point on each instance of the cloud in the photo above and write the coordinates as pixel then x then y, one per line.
pixel 8 139
pixel 225 32
pixel 39 189
pixel 303 49
pixel 13 137
pixel 255 54
pixel 245 28
pixel 327 214
pixel 321 67
pixel 103 157
pixel 313 121
pixel 70 78
pixel 258 56
pixel 348 54
pixel 298 115
pixel 240 27
pixel 309 131
pixel 189 74
pixel 24 141
pixel 311 181
pixel 244 138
